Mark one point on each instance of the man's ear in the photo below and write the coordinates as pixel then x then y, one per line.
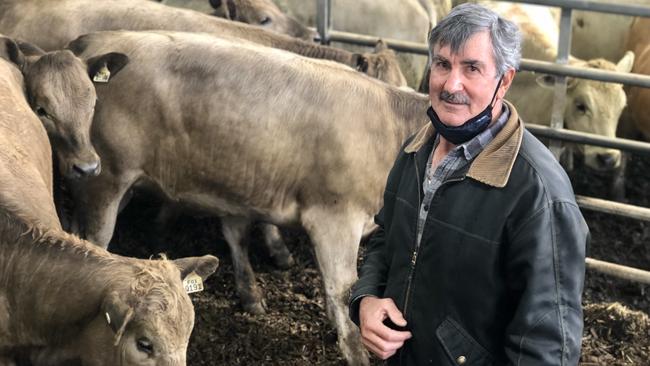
pixel 10 51
pixel 113 62
pixel 117 313
pixel 202 266
pixel 506 82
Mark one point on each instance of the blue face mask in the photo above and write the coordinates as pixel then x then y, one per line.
pixel 468 130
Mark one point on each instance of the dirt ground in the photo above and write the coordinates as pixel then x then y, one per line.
pixel 295 330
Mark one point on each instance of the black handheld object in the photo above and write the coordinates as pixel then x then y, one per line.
pixel 389 323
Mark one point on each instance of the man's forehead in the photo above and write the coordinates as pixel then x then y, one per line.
pixel 477 47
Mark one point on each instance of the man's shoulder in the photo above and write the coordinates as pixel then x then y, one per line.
pixel 537 167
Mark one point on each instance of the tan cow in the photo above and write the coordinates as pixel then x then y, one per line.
pixel 64 301
pixel 639 98
pixel 257 133
pixel 591 106
pixel 65 20
pixel 407 20
pixel 61 93
pixel 25 153
pixel 263 13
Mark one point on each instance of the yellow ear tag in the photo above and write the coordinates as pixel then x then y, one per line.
pixel 102 75
pixel 193 283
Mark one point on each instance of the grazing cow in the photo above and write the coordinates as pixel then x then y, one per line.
pixel 639 98
pixel 255 133
pixel 64 301
pixel 263 13
pixel 65 20
pixel 591 106
pixel 407 20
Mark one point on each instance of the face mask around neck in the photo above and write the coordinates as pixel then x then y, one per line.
pixel 468 130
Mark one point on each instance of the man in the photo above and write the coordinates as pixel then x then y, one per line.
pixel 479 255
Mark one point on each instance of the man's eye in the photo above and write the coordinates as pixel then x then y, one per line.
pixel 473 68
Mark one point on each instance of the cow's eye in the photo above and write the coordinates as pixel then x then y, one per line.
pixel 265 21
pixel 145 346
pixel 42 112
pixel 581 107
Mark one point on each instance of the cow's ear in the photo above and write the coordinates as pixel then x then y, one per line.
pixel 202 266
pixel 117 313
pixel 626 63
pixel 10 51
pixel 362 63
pixel 112 62
pixel 29 49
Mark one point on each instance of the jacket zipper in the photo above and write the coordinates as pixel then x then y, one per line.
pixel 414 256
pixel 417 244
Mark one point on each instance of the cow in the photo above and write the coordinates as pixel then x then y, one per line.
pixel 263 13
pixel 407 20
pixel 65 20
pixel 638 41
pixel 65 301
pixel 60 92
pixel 256 133
pixel 591 106
pixel 590 41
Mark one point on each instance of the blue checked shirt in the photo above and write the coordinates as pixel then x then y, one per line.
pixel 457 158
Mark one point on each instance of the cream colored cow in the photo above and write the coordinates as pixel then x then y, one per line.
pixel 591 106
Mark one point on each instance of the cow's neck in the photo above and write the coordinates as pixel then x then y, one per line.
pixel 411 109
pixel 53 282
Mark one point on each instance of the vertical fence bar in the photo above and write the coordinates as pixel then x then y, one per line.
pixel 324 20
pixel 559 100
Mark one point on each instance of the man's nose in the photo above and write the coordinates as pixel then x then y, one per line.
pixel 454 82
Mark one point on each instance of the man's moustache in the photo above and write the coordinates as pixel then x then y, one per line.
pixel 454 98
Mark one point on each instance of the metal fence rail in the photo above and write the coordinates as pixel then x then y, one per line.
pixel 617 270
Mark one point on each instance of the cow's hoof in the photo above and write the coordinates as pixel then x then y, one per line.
pixel 284 261
pixel 255 308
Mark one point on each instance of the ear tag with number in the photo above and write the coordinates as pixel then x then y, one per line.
pixel 193 283
pixel 102 75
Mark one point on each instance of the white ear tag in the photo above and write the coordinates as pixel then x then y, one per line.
pixel 193 283
pixel 102 75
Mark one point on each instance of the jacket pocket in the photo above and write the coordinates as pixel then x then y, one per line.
pixel 460 347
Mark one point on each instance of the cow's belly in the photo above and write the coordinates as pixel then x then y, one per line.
pixel 223 205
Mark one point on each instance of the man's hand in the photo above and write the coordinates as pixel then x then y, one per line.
pixel 377 337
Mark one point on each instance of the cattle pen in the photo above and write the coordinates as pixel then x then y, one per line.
pixel 555 133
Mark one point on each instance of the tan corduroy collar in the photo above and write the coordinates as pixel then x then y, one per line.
pixel 494 164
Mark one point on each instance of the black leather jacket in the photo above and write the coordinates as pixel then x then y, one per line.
pixel 498 276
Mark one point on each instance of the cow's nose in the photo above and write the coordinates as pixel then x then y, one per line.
pixel 607 160
pixel 87 169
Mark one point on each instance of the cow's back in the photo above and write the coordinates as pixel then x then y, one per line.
pixel 25 153
pixel 267 127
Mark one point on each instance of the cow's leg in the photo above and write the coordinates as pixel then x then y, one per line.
pixel 336 238
pixel 277 248
pixel 234 230
pixel 97 202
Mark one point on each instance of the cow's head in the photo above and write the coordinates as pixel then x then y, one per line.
pixel 262 13
pixel 63 96
pixel 382 65
pixel 147 320
pixel 595 107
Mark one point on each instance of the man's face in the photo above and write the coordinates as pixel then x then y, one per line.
pixel 462 84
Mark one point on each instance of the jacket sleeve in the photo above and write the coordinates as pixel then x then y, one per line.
pixel 545 270
pixel 373 272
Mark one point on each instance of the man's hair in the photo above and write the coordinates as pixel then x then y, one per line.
pixel 467 19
